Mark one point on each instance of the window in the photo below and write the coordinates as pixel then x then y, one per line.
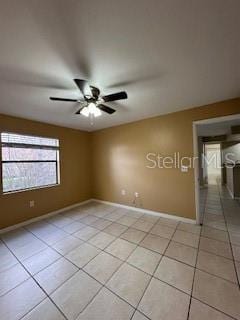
pixel 28 162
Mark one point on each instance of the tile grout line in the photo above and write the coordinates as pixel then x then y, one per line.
pixel 220 311
pixel 137 245
pixel 102 250
pixel 134 266
pixel 31 276
pixel 103 230
pixel 123 261
pixel 62 256
pixel 195 266
pixel 234 261
pixel 47 296
pixel 87 241
pixel 152 276
pixel 84 270
pixel 135 309
pixel 105 284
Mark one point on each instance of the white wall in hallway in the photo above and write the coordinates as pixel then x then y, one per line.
pixel 213 156
pixel 232 148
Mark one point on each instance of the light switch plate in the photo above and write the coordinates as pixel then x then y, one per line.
pixel 184 168
pixel 31 203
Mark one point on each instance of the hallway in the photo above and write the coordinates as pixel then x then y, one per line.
pixel 219 251
pixel 221 224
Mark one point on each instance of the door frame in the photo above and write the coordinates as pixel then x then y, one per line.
pixel 195 155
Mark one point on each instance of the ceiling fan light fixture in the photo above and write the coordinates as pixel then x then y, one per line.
pixel 97 113
pixel 91 110
pixel 85 112
pixel 92 104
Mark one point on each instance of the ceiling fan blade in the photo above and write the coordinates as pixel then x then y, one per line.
pixel 106 108
pixel 83 87
pixel 62 99
pixel 79 111
pixel 115 96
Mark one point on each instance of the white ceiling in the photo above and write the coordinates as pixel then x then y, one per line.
pixel 218 128
pixel 167 54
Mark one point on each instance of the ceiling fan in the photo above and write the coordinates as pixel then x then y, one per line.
pixel 92 102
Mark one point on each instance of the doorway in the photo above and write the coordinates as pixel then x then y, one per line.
pixel 213 163
pixel 213 138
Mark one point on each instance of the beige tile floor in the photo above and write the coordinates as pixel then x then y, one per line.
pixel 106 263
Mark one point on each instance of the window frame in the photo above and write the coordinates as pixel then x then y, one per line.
pixel 29 146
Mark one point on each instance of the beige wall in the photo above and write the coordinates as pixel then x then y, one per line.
pixel 119 160
pixel 75 173
pixel 102 163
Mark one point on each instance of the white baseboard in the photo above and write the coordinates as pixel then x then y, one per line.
pixel 231 194
pixel 155 213
pixel 50 214
pixel 44 216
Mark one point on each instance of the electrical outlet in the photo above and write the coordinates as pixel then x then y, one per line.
pixel 123 192
pixel 31 203
pixel 136 194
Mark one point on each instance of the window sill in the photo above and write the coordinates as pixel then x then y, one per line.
pixel 31 189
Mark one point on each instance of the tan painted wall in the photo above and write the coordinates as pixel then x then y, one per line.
pixel 119 159
pixel 102 163
pixel 75 173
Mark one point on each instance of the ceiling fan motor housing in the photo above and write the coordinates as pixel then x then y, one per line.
pixel 91 96
pixel 95 92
